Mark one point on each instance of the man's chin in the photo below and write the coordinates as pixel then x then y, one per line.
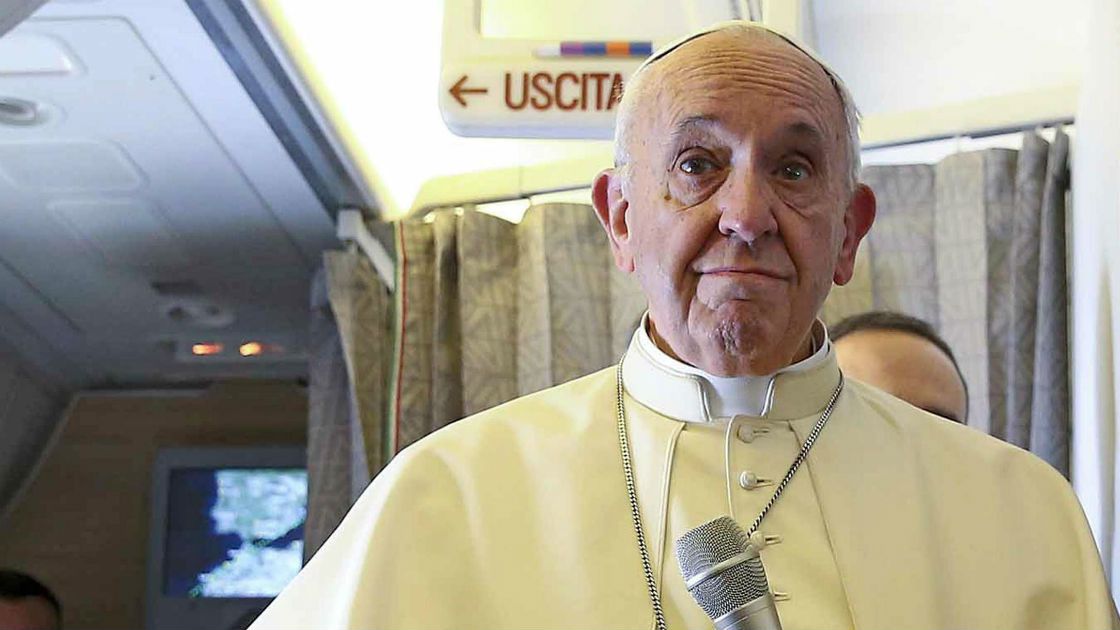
pixel 742 347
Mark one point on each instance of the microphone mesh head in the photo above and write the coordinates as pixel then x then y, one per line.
pixel 709 544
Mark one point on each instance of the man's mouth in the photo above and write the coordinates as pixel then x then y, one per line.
pixel 744 271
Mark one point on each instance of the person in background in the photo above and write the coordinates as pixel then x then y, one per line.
pixel 903 356
pixel 26 604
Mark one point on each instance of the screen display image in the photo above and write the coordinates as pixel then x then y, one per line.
pixel 233 532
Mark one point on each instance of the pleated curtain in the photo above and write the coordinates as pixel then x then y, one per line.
pixel 492 310
pixel 350 352
pixel 487 310
pixel 976 246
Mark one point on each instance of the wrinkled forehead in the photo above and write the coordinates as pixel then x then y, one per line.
pixel 752 66
pixel 734 30
pixel 750 59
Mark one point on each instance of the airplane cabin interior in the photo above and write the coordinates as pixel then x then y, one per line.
pixel 253 250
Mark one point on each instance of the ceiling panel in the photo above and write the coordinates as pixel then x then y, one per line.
pixel 34 53
pixel 150 165
pixel 62 166
pixel 125 232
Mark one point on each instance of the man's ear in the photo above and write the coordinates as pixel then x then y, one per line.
pixel 611 207
pixel 858 217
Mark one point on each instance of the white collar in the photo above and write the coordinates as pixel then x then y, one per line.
pixel 684 392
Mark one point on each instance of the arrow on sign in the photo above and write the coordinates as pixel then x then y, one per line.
pixel 459 89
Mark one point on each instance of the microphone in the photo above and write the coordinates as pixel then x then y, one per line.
pixel 724 574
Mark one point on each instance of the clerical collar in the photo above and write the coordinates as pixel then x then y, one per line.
pixel 686 393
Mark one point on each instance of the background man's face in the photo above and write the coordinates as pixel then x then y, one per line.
pixel 907 366
pixel 736 201
pixel 27 613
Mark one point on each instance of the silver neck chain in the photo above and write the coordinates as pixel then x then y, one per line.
pixel 635 513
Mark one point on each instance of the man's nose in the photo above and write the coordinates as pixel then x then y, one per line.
pixel 746 206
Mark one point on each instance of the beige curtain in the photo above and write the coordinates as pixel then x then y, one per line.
pixel 492 310
pixel 350 350
pixel 975 245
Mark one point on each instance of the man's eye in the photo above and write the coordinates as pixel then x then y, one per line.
pixel 697 166
pixel 795 172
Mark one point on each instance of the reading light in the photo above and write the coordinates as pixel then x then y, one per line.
pixel 206 349
pixel 251 349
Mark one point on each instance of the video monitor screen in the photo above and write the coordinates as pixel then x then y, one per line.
pixel 233 532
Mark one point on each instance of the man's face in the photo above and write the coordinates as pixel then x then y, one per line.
pixel 906 366
pixel 27 613
pixel 735 212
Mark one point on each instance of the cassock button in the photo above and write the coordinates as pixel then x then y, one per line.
pixel 747 433
pixel 749 481
pixel 760 541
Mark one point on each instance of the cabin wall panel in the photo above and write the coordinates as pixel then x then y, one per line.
pixel 82 526
pixel 30 408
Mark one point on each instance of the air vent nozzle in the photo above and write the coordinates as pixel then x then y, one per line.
pixel 199 313
pixel 19 112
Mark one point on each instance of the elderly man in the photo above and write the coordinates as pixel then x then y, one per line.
pixel 736 205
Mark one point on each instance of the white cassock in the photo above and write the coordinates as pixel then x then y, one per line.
pixel 518 517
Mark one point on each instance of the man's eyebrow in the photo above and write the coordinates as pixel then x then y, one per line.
pixel 705 122
pixel 694 123
pixel 806 130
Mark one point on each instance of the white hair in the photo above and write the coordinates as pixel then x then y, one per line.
pixel 629 103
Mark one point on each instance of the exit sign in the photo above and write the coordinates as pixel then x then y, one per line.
pixel 530 88
pixel 569 99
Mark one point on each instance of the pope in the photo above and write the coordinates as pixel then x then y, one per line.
pixel 735 202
